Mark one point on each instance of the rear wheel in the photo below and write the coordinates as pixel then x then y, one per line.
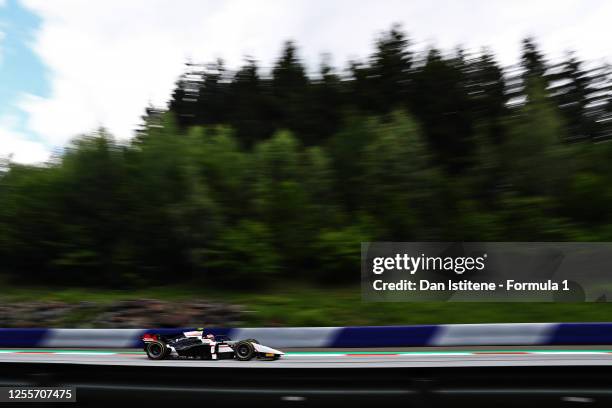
pixel 244 351
pixel 156 350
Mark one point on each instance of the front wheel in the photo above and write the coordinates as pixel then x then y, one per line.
pixel 156 350
pixel 244 351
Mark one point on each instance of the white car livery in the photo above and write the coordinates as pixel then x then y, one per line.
pixel 198 344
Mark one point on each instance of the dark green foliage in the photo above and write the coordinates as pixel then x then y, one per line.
pixel 252 178
pixel 532 60
pixel 487 93
pixel 386 79
pixel 212 105
pixel 250 109
pixel 442 105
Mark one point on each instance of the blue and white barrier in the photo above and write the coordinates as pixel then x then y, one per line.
pixel 502 334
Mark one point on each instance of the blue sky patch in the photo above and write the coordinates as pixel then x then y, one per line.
pixel 21 70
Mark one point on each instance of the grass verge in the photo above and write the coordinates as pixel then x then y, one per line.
pixel 314 306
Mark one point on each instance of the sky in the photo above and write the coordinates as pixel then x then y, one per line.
pixel 68 67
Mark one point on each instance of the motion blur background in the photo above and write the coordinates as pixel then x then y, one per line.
pixel 242 194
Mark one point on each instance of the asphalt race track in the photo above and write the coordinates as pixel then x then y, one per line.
pixel 476 377
pixel 330 359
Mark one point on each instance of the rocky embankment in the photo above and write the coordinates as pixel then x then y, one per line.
pixel 139 313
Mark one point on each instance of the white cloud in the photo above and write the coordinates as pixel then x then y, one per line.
pixel 108 59
pixel 18 147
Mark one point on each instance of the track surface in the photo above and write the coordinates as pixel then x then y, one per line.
pixel 332 359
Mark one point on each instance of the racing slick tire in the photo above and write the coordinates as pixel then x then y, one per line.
pixel 156 350
pixel 244 350
pixel 252 341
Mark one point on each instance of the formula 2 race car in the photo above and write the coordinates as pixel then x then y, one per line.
pixel 197 344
